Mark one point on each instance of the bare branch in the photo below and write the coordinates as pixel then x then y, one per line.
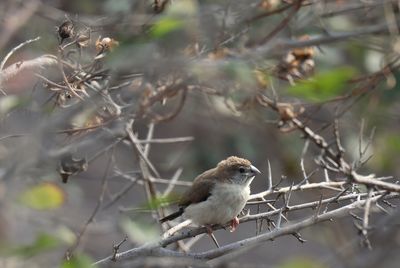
pixel 371 181
pixel 317 185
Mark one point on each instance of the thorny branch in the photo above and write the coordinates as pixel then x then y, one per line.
pixel 158 249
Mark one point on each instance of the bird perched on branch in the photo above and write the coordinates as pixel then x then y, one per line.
pixel 217 195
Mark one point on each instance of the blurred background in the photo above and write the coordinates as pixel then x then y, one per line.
pixel 222 53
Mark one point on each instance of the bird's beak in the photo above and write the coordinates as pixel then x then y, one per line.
pixel 254 170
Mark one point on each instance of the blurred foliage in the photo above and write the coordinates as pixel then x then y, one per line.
pixel 161 201
pixel 139 232
pixel 117 6
pixel 239 72
pixel 43 243
pixel 176 17
pixel 386 151
pixel 165 26
pixel 183 8
pixel 302 262
pixel 43 196
pixel 78 261
pixel 9 103
pixel 324 85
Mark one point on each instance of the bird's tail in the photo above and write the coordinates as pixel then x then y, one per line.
pixel 172 216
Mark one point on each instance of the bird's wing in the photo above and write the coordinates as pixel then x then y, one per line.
pixel 200 190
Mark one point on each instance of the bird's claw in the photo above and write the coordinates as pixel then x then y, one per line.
pixel 234 224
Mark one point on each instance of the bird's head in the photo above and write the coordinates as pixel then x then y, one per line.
pixel 237 170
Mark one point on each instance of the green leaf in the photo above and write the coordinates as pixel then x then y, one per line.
pixel 324 85
pixel 42 243
pixel 78 261
pixel 43 196
pixel 165 26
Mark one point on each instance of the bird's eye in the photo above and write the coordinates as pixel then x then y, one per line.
pixel 242 170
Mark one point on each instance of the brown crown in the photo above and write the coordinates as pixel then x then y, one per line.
pixel 233 161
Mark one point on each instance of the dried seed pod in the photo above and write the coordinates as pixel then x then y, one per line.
pixel 297 63
pixel 65 30
pixel 70 166
pixel 159 5
pixel 105 44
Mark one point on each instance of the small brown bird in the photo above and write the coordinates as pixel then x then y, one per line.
pixel 218 195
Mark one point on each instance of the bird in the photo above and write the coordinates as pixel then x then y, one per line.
pixel 218 195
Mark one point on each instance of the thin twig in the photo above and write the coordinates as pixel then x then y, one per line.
pixel 173 181
pixel 117 246
pixel 214 239
pixel 317 185
pixel 69 252
pixel 135 143
pixel 166 140
pixel 282 24
pixel 120 194
pixel 269 181
pixel 12 51
pixel 365 225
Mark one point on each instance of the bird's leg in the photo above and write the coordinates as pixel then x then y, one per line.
pixel 210 233
pixel 234 224
pixel 209 229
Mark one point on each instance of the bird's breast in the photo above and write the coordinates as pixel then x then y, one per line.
pixel 225 202
pixel 231 195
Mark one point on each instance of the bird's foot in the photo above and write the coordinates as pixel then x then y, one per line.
pixel 234 224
